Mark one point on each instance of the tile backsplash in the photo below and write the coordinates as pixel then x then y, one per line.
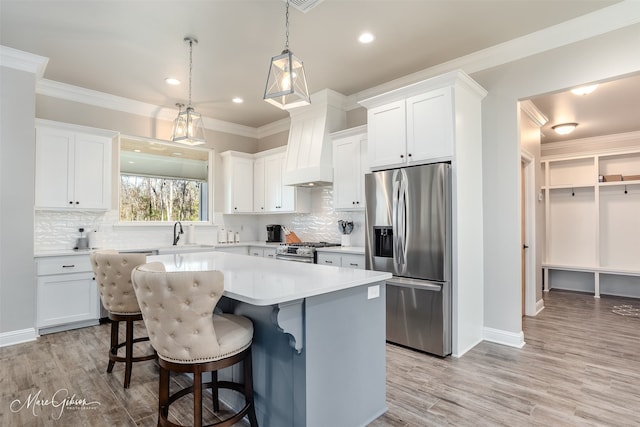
pixel 58 230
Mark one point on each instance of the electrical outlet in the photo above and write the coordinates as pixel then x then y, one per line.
pixel 373 292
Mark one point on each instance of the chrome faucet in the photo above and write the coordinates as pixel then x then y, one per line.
pixel 176 236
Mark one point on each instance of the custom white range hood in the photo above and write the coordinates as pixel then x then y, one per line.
pixel 309 150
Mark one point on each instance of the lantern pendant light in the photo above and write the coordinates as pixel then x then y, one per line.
pixel 286 83
pixel 188 127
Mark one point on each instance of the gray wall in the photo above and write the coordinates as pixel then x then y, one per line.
pixel 17 174
pixel 603 57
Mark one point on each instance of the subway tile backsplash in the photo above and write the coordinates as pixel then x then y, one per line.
pixel 58 230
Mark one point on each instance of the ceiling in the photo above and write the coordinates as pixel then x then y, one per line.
pixel 128 48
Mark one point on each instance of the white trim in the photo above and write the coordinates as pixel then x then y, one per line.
pixel 536 116
pixel 587 147
pixel 602 21
pixel 498 336
pixel 25 61
pixel 17 337
pixel 539 306
pixel 529 231
pixel 461 353
pixel 104 100
pixel 272 128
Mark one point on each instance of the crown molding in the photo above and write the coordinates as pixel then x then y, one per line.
pixel 530 109
pixel 273 128
pixel 24 61
pixel 602 21
pixel 614 143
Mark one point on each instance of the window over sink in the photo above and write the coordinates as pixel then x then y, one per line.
pixel 163 182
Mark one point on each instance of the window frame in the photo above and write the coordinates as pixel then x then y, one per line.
pixel 210 182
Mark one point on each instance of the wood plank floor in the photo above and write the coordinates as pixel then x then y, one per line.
pixel 580 367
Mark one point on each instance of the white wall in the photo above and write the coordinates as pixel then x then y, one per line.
pixel 603 57
pixel 17 154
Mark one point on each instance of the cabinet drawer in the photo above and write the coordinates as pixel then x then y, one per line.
pixel 256 251
pixel 270 253
pixel 62 265
pixel 329 259
pixel 353 261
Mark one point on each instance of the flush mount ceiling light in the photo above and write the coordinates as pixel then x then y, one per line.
pixel 286 83
pixel 564 128
pixel 172 81
pixel 237 100
pixel 188 127
pixel 366 38
pixel 584 90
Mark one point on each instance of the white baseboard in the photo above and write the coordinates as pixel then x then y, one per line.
pixel 498 336
pixel 539 306
pixel 17 337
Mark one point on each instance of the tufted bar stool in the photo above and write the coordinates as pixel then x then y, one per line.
pixel 112 272
pixel 177 308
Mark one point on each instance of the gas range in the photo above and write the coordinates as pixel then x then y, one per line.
pixel 301 252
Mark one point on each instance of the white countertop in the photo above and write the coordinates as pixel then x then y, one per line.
pixel 263 281
pixel 357 250
pixel 185 248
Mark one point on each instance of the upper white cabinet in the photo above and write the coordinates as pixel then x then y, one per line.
pixel 253 184
pixel 349 168
pixel 413 125
pixel 73 167
pixel 238 183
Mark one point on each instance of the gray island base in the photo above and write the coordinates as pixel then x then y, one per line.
pixel 319 338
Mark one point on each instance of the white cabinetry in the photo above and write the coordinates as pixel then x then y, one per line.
pixel 253 184
pixel 349 168
pixel 240 250
pixel 341 260
pixel 73 167
pixel 238 182
pixel 411 130
pixel 67 292
pixel 262 252
pixel 593 225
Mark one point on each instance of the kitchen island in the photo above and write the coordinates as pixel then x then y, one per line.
pixel 319 337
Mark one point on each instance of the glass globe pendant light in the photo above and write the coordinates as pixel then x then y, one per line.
pixel 188 127
pixel 286 83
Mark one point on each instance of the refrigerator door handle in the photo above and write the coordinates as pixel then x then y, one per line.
pixel 395 195
pixel 405 209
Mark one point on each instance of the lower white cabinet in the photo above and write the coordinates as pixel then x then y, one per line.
pixel 341 260
pixel 67 292
pixel 262 252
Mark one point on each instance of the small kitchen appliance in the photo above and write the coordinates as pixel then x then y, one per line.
pixel 274 233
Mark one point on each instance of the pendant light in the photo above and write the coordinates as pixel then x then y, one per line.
pixel 286 83
pixel 188 127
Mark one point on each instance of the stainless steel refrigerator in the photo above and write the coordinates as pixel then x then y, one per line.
pixel 408 233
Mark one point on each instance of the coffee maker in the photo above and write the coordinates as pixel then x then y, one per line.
pixel 274 233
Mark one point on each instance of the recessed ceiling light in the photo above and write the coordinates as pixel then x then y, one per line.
pixel 584 90
pixel 366 38
pixel 131 162
pixel 177 153
pixel 238 100
pixel 564 128
pixel 136 150
pixel 172 81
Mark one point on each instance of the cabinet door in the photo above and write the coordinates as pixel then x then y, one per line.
pixel 326 258
pixel 269 253
pixel 273 183
pixel 253 251
pixel 258 185
pixel 387 134
pixel 430 126
pixel 346 173
pixel 242 185
pixel 92 172
pixel 67 298
pixel 353 261
pixel 54 158
pixel 287 192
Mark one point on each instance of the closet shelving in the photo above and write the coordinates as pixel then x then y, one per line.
pixel 592 226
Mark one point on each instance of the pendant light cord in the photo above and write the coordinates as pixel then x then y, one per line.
pixel 286 43
pixel 190 67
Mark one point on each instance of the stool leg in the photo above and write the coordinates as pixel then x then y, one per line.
pixel 214 391
pixel 114 344
pixel 197 397
pixel 128 353
pixel 163 394
pixel 248 389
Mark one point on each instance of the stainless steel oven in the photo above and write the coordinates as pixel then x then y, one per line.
pixel 301 252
